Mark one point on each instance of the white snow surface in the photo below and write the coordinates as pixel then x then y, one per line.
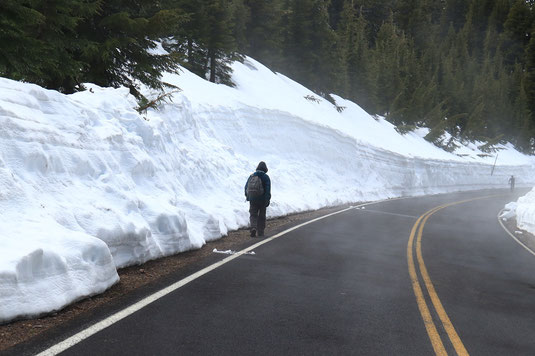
pixel 525 212
pixel 509 211
pixel 88 185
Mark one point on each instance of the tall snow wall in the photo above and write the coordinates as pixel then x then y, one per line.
pixel 88 185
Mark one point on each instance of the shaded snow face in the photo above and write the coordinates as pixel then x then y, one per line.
pixel 88 185
pixel 525 212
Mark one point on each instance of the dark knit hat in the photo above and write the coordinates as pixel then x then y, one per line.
pixel 262 167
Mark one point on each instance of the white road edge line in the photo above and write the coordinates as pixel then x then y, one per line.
pixel 112 319
pixel 513 236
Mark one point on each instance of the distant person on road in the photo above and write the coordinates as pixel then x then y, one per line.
pixel 258 194
pixel 512 183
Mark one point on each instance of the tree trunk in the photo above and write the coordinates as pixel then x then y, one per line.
pixel 211 55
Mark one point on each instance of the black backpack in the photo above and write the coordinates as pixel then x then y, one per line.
pixel 255 188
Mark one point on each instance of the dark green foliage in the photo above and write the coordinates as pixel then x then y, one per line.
pixel 490 143
pixel 39 40
pixel 220 39
pixel 356 56
pixel 454 13
pixel 62 43
pixel 264 31
pixel 211 37
pixel 463 68
pixel 118 42
pixel 311 46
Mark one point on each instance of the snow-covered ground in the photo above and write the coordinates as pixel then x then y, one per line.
pixel 524 211
pixel 88 185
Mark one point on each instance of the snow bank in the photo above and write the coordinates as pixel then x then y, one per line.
pixel 509 211
pixel 87 185
pixel 525 212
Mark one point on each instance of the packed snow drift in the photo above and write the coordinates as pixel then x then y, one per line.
pixel 89 185
pixel 523 210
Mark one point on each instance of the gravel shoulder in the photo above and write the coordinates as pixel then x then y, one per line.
pixel 139 280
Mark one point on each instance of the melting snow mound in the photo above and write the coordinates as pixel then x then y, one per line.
pixel 525 212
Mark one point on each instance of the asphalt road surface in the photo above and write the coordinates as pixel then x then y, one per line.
pixel 392 278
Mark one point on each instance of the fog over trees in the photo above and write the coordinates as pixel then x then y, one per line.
pixel 466 67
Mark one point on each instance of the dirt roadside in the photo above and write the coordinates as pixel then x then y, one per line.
pixel 135 278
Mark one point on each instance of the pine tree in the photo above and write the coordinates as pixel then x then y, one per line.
pixel 311 47
pixel 454 14
pixel 264 31
pixel 355 52
pixel 241 18
pixel 529 84
pixel 211 37
pixel 376 13
pixel 118 43
pixel 219 41
pixel 412 17
pixel 20 51
pixel 40 41
pixel 477 19
pixel 393 58
pixel 522 115
pixel 186 40
pixel 518 28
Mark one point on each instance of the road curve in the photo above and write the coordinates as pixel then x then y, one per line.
pixel 417 276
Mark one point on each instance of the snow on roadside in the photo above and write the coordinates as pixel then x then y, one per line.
pixel 509 211
pixel 87 185
pixel 525 212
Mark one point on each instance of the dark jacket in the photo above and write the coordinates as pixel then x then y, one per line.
pixel 266 183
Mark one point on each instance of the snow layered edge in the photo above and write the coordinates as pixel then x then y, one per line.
pixel 525 212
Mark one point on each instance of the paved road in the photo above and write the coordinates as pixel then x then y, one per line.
pixel 357 283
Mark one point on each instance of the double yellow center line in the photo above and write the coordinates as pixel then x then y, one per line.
pixel 434 336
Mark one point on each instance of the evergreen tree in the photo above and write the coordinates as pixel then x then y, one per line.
pixel 392 59
pixel 518 28
pixel 241 18
pixel 211 36
pixel 525 123
pixel 529 84
pixel 413 18
pixel 264 31
pixel 118 43
pixel 220 41
pixel 187 40
pixel 311 47
pixel 454 14
pixel 40 42
pixel 355 54
pixel 20 52
pixel 466 67
pixel 376 13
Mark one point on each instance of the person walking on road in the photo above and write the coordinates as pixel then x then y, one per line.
pixel 512 182
pixel 258 194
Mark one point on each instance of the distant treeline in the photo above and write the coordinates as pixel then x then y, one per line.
pixel 466 67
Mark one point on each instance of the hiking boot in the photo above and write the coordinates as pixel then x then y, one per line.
pixel 253 232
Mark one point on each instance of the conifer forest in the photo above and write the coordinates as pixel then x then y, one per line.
pixel 462 67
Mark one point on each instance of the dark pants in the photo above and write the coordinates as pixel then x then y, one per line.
pixel 257 216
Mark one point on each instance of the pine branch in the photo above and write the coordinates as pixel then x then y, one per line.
pixel 145 104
